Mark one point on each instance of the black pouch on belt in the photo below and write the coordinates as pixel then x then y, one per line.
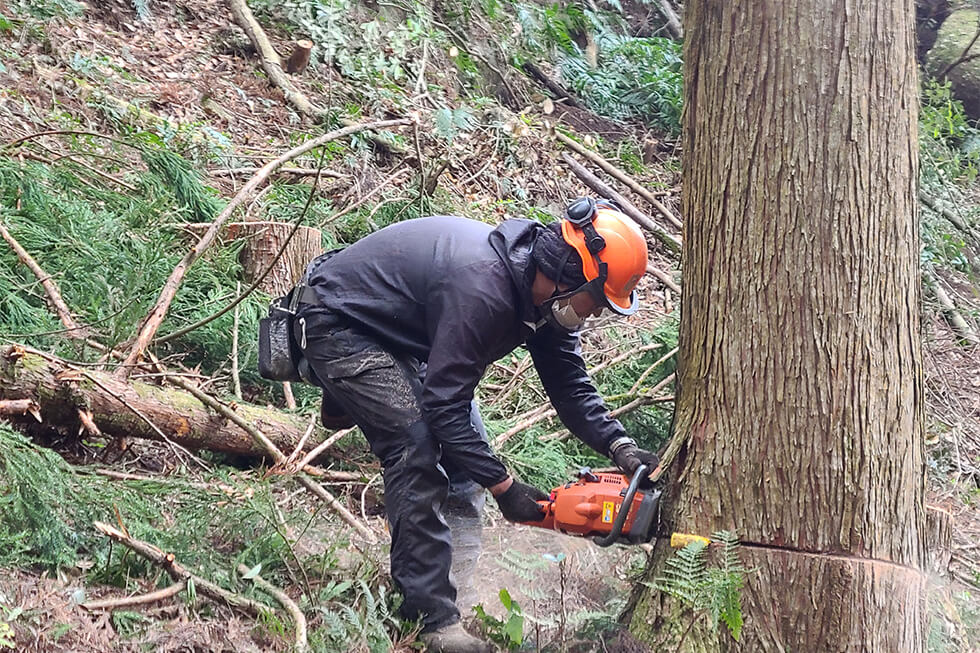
pixel 280 356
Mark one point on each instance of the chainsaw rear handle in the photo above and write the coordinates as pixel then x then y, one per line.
pixel 624 508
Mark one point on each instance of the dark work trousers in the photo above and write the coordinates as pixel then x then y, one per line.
pixel 431 510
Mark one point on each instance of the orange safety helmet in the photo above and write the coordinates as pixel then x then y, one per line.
pixel 612 248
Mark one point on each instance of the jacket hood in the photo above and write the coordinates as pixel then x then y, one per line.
pixel 513 241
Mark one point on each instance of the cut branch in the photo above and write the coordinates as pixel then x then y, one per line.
pixel 964 57
pixel 296 172
pixel 272 65
pixel 673 243
pixel 664 278
pixel 962 328
pixel 673 20
pixel 20 407
pixel 954 219
pixel 141 599
pixel 559 92
pixel 615 172
pixel 152 322
pixel 168 562
pixel 50 288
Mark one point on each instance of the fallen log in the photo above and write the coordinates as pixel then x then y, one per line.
pixel 135 409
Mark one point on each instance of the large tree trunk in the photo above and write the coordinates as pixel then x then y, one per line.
pixel 59 392
pixel 800 366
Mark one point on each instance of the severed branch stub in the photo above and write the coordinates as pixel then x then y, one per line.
pixel 168 562
pixel 20 407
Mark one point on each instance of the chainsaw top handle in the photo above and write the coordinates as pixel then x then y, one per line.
pixel 624 508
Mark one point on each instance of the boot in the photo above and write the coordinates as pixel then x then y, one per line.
pixel 453 639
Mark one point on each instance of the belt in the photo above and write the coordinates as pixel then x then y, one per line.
pixel 306 295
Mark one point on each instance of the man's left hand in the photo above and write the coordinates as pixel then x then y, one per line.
pixel 628 457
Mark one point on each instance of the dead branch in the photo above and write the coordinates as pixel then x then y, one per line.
pixel 954 219
pixel 323 446
pixel 673 243
pixel 648 371
pixel 964 57
pixel 152 322
pixel 337 506
pixel 673 20
pixel 141 599
pixel 326 475
pixel 55 301
pixel 296 172
pixel 615 172
pixel 168 562
pixel 559 92
pixel 545 412
pixel 962 328
pixel 664 278
pixel 626 355
pixel 539 414
pixel 298 618
pixel 20 407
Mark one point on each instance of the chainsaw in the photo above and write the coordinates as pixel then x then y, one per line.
pixel 608 508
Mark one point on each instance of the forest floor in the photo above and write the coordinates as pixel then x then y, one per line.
pixel 187 68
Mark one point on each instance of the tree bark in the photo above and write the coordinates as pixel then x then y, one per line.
pixel 799 378
pixel 60 391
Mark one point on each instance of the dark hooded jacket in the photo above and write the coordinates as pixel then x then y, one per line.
pixel 456 294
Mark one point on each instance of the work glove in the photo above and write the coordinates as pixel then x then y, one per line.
pixel 519 503
pixel 628 457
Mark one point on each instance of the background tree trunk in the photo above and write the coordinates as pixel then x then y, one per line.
pixel 799 372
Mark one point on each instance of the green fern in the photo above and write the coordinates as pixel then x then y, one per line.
pixel 715 590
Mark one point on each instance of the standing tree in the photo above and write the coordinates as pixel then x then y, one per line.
pixel 800 383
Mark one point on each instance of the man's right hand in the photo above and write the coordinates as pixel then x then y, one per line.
pixel 519 503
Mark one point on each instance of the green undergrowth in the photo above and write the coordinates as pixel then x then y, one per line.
pixel 210 522
pixel 380 53
pixel 110 249
pixel 110 253
pixel 949 164
pixel 627 77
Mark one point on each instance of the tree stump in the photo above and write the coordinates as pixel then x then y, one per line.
pixel 263 240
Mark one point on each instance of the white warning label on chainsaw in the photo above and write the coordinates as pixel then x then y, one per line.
pixel 608 510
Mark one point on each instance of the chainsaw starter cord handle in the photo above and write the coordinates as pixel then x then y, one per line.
pixel 624 508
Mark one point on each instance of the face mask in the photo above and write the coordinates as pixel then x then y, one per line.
pixel 562 314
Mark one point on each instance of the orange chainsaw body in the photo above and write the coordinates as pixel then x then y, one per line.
pixel 590 505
